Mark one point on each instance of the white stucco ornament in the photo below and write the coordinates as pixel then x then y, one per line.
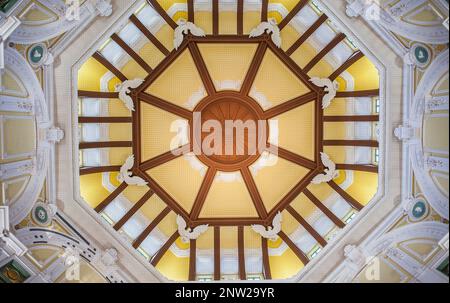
pixel 125 173
pixel 187 233
pixel 124 89
pixel 330 89
pixel 330 171
pixel 270 232
pixel 185 27
pixel 271 27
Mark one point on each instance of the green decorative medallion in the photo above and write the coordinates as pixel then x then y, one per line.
pixel 37 54
pixel 421 55
pixel 41 214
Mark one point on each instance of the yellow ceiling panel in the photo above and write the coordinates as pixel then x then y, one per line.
pixel 228 200
pixel 227 23
pixel 289 224
pixel 168 225
pixel 296 130
pixel 165 36
pixel 179 82
pixel 118 155
pixel 134 193
pixel 153 207
pixel 228 237
pixel 288 36
pixel 303 206
pixel 120 131
pixel 251 238
pixel 206 240
pixel 273 73
pixel 251 20
pixel 179 179
pixel 321 191
pixel 227 62
pixel 203 19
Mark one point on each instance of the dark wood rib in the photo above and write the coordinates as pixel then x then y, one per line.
pixel 306 226
pixel 97 95
pixel 359 118
pixel 203 193
pixel 292 13
pixel 240 17
pixel 133 210
pixel 217 275
pixel 104 120
pixel 297 251
pixel 254 192
pixel 350 200
pixel 164 248
pixel 165 105
pixel 290 105
pixel 158 8
pixel 307 34
pixel 369 143
pixel 86 145
pixel 151 227
pixel 241 253
pixel 215 17
pixel 338 39
pixel 227 38
pixel 360 93
pixel 264 10
pixel 359 167
pixel 191 13
pixel 292 157
pixel 265 257
pixel 244 221
pixel 164 158
pixel 86 170
pixel 135 56
pixel 149 35
pixel 193 260
pixel 253 69
pixel 111 197
pixel 202 69
pixel 349 62
pixel 324 209
pixel 102 60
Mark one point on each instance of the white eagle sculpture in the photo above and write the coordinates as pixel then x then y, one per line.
pixel 125 88
pixel 125 173
pixel 330 171
pixel 188 234
pixel 270 232
pixel 271 27
pixel 330 88
pixel 183 28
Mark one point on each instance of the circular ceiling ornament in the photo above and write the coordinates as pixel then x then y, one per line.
pixel 42 214
pixel 421 55
pixel 37 54
pixel 418 210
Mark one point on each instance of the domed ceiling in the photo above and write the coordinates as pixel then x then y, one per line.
pixel 164 103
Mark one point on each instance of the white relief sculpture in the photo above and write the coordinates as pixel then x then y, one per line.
pixel 271 27
pixel 330 171
pixel 185 27
pixel 125 173
pixel 124 90
pixel 270 232
pixel 187 233
pixel 330 89
pixel 104 7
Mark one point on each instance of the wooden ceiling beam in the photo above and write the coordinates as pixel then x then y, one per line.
pixel 292 13
pixel 360 93
pixel 290 105
pixel 357 118
pixel 323 208
pixel 202 69
pixel 297 251
pixel 134 209
pixel 104 120
pixel 165 105
pixel 254 193
pixel 355 57
pixel 119 189
pixel 138 241
pixel 307 34
pixel 131 53
pixel 144 30
pixel 240 17
pixel 164 158
pixel 193 260
pixel 264 10
pixel 158 8
pixel 307 226
pixel 291 157
pixel 265 259
pixel 217 271
pixel 358 167
pixel 253 69
pixel 338 39
pixel 227 38
pixel 215 14
pixel 241 253
pixel 162 251
pixel 86 170
pixel 97 95
pixel 228 221
pixel 203 193
pixel 350 200
pixel 109 66
pixel 368 143
pixel 86 145
pixel 191 12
